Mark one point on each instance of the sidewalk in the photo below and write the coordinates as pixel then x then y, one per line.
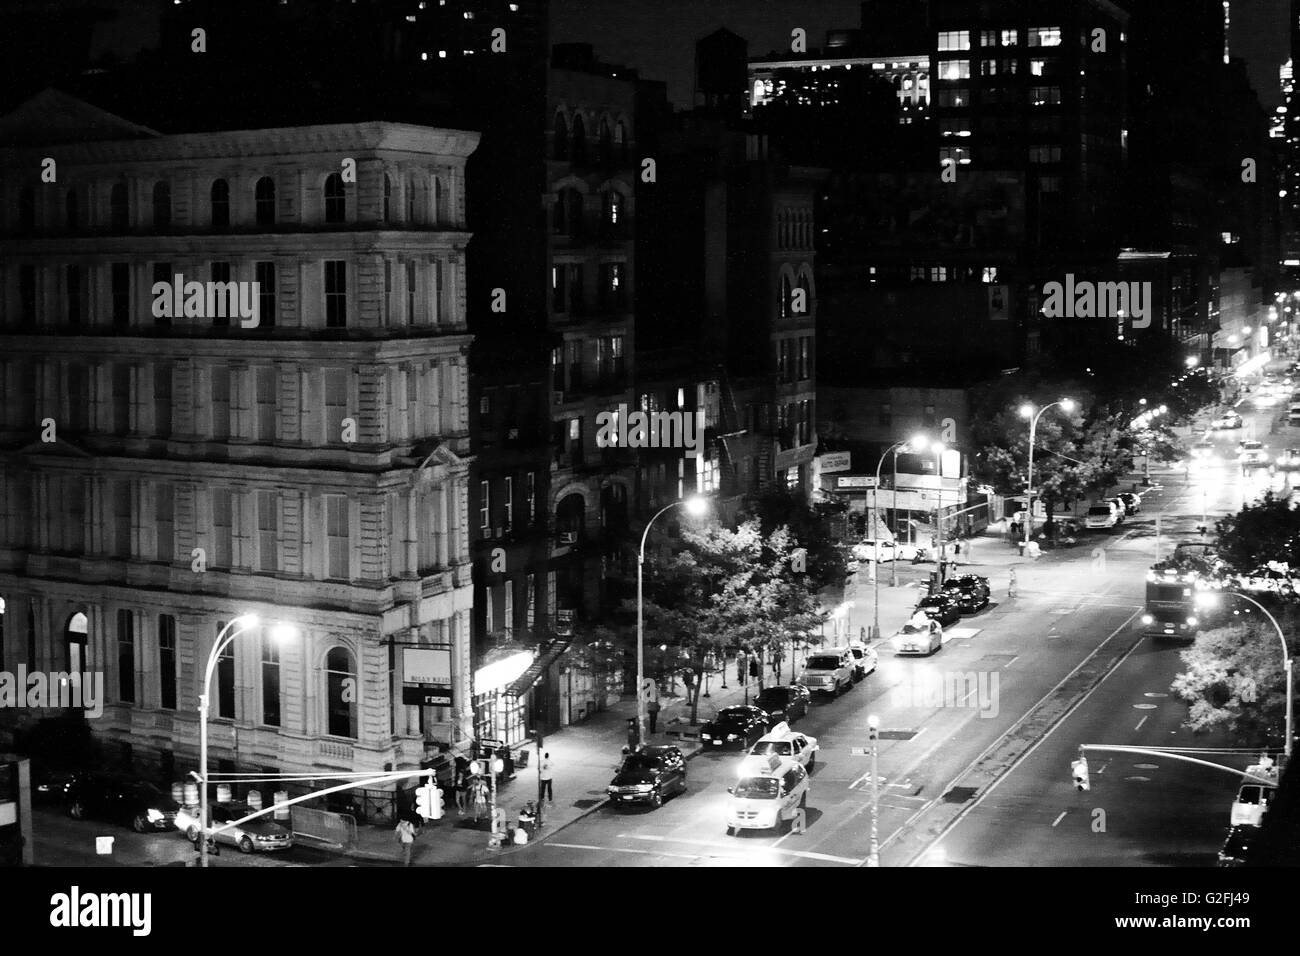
pixel 584 756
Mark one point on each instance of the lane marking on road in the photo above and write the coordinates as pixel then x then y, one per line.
pixel 1149 694
pixel 1144 706
pixel 1060 721
pixel 1141 722
pixel 804 854
pixel 1060 818
pixel 616 849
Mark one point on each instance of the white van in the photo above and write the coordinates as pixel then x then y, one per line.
pixel 1101 515
pixel 769 799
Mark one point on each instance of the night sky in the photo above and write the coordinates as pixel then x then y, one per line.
pixel 658 36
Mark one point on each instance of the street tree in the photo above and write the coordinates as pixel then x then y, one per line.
pixel 1259 533
pixel 1234 681
pixel 809 527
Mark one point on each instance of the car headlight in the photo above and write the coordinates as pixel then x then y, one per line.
pixel 733 737
pixel 706 736
pixel 644 787
pixel 1191 622
pixel 154 815
pixel 1148 619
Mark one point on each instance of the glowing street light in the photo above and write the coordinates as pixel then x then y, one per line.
pixel 1027 411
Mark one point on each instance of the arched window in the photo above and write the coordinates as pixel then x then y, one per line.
pixel 220 199
pixel 341 692
pixel 335 203
pixel 117 211
pixel 162 205
pixel 388 199
pixel 71 210
pixel 606 143
pixel 27 210
pixel 264 201
pixel 578 144
pixel 785 296
pixel 561 146
pixel 806 285
pixel 571 518
pixel 76 643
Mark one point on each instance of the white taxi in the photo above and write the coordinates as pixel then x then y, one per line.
pixel 780 741
pixel 768 800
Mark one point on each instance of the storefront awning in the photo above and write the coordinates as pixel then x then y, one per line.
pixel 525 681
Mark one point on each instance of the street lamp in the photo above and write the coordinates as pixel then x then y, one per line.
pixel 696 506
pixel 1192 361
pixel 1027 411
pixel 918 443
pixel 233 629
pixel 1210 600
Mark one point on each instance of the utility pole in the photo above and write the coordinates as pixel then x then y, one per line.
pixel 873 733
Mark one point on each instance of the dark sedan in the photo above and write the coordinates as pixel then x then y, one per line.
pixel 784 703
pixel 737 727
pixel 972 592
pixel 650 775
pixel 114 799
pixel 941 607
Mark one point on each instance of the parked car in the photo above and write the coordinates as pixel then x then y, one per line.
pixel 784 702
pixel 767 800
pixel 782 742
pixel 829 671
pixel 1132 502
pixel 119 799
pixel 737 726
pixel 890 550
pixel 916 638
pixel 864 658
pixel 973 592
pixel 259 835
pixel 1100 516
pixel 1121 511
pixel 1228 420
pixel 54 786
pixel 649 776
pixel 942 607
pixel 1237 846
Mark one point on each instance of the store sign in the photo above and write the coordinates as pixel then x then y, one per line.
pixel 426 665
pixel 426 677
pixel 856 481
pixel 833 462
pixel 414 695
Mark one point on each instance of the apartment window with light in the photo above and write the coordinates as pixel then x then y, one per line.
pixel 938 273
pixel 990 274
pixel 1010 37
pixel 956 154
pixel 988 67
pixel 1044 36
pixel 1045 96
pixel 987 38
pixel 954 40
pixel 955 97
pixel 1037 67
pixel 954 127
pixel 950 70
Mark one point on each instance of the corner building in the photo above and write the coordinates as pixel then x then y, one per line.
pixel 311 470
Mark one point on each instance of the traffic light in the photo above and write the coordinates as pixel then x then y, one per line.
pixel 428 802
pixel 1080 770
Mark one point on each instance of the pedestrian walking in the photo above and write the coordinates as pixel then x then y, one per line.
pixel 545 775
pixel 406 837
pixel 461 784
pixel 652 709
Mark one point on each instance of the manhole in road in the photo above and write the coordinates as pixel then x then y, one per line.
pixel 1144 706
pixel 959 795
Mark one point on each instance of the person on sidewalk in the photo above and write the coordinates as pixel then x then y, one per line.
pixel 545 775
pixel 652 708
pixel 406 837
